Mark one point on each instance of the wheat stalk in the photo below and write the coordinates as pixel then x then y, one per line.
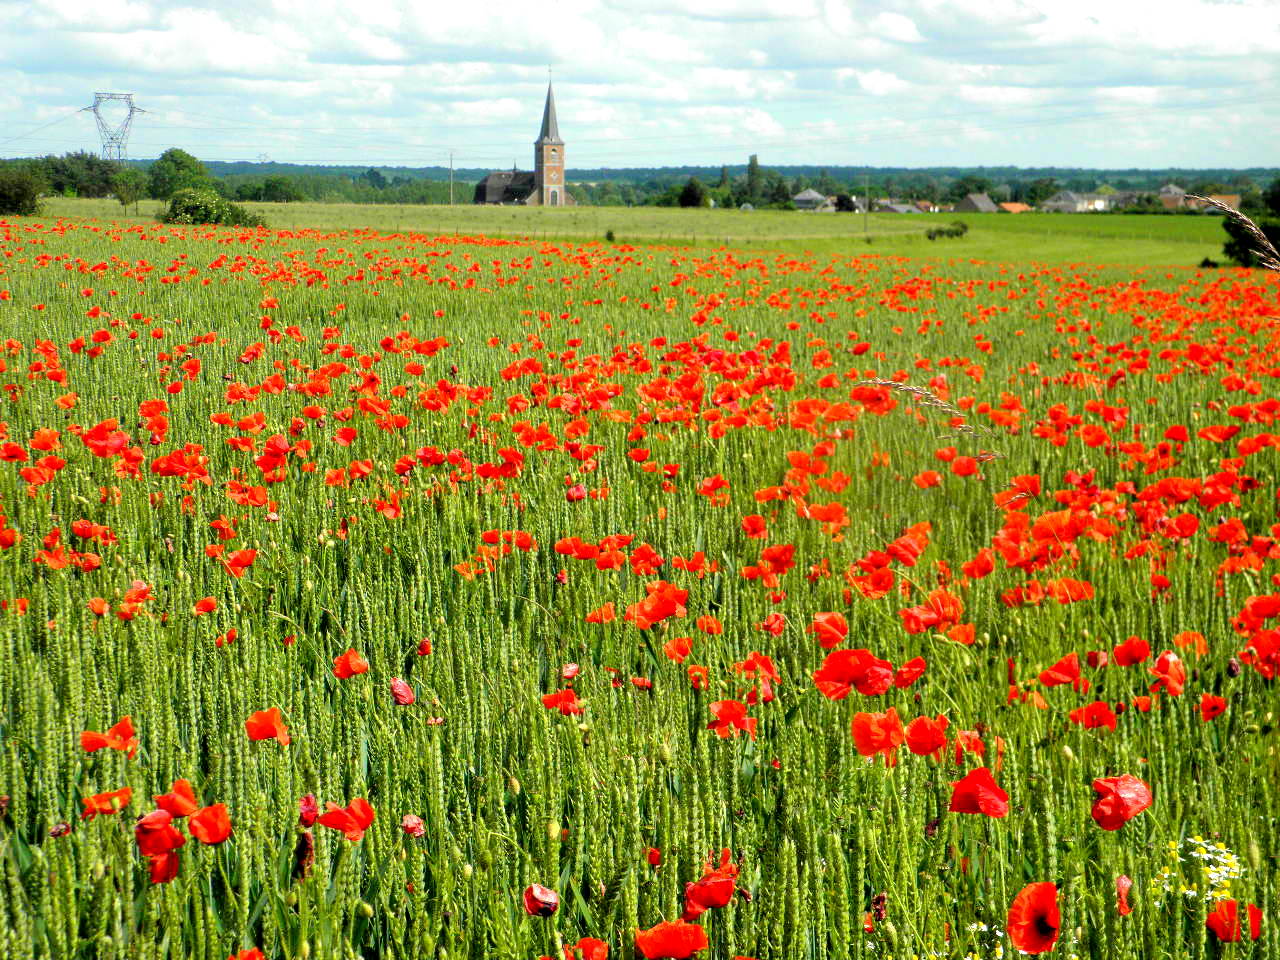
pixel 926 398
pixel 1268 255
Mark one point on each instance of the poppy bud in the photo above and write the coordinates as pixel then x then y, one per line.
pixel 304 855
pixel 401 692
pixel 1233 667
pixel 413 825
pixel 540 901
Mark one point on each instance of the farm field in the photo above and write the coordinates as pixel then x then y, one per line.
pixel 386 594
pixel 1045 238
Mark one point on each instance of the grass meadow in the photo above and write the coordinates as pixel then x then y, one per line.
pixel 1050 238
pixel 356 585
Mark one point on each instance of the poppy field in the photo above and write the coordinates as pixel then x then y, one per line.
pixel 375 594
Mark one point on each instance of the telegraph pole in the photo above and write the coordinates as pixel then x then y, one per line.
pixel 866 202
pixel 451 178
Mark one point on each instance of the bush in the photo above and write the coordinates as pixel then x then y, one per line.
pixel 957 229
pixel 19 193
pixel 1241 247
pixel 205 206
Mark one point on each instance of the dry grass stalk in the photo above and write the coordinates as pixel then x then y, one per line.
pixel 959 421
pixel 1268 255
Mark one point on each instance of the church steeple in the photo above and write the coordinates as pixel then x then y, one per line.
pixel 550 132
pixel 548 159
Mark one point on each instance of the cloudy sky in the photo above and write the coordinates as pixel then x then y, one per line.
pixel 1090 83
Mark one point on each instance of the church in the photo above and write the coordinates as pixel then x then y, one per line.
pixel 545 186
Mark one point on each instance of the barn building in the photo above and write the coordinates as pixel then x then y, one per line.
pixel 544 185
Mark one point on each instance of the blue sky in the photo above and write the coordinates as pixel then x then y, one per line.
pixel 1089 83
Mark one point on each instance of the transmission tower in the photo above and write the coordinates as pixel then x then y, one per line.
pixel 114 137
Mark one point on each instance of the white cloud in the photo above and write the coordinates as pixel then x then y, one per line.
pixel 652 82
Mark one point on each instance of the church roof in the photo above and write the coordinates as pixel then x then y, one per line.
pixel 550 132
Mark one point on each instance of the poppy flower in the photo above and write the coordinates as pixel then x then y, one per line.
pixel 1093 715
pixel 1170 674
pixel 1034 918
pixel 730 717
pixel 212 825
pixel 1120 799
pixel 830 629
pixel 267 725
pixel 106 803
pixel 859 669
pixel 909 672
pixel 180 801
pixel 120 737
pixel 1224 921
pixel 678 648
pixel 566 701
pixel 977 792
pixel 252 953
pixel 1211 706
pixel 587 948
pixel 927 735
pixel 1123 885
pixel 347 665
pixel 206 605
pixel 412 825
pixel 671 940
pixel 155 834
pixel 878 733
pixel 1134 650
pixel 353 819
pixel 540 901
pixel 401 692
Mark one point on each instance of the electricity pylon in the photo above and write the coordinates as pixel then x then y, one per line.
pixel 114 138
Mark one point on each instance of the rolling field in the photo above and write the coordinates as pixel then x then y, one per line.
pixel 1022 238
pixel 384 594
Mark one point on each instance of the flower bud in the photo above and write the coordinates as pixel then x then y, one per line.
pixel 540 901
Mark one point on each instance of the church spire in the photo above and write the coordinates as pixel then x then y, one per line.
pixel 550 132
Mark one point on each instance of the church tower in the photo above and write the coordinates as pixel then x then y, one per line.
pixel 548 159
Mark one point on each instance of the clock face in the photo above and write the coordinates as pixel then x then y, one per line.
pixel 552 176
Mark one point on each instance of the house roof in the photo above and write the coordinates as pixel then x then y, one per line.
pixel 981 202
pixel 1014 207
pixel 505 186
pixel 550 132
pixel 810 196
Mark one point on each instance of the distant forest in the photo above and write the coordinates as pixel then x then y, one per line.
pixel 84 174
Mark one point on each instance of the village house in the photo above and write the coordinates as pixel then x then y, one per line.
pixel 976 203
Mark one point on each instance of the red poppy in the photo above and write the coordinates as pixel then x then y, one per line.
pixel 566 701
pixel 1134 650
pixel 156 834
pixel 1170 674
pixel 857 669
pixel 1093 715
pixel 353 820
pixel 347 665
pixel 731 717
pixel 1224 921
pixel 540 901
pixel 1120 799
pixel 977 792
pixel 120 737
pixel 829 628
pixel 671 940
pixel 1034 918
pixel 1211 706
pixel 106 803
pixel 212 825
pixel 180 801
pixel 927 735
pixel 909 672
pixel 401 692
pixel 251 954
pixel 878 733
pixel 1123 885
pixel 754 526
pixel 678 648
pixel 267 725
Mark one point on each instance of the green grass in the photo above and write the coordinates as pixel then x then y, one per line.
pixel 1021 238
pixel 679 353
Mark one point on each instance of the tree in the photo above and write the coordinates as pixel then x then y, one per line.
pixel 694 194
pixel 374 179
pixel 845 203
pixel 282 190
pixel 129 185
pixel 1271 197
pixel 754 179
pixel 724 179
pixel 176 170
pixel 79 174
pixel 202 205
pixel 1037 191
pixel 966 185
pixel 1241 246
pixel 19 192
